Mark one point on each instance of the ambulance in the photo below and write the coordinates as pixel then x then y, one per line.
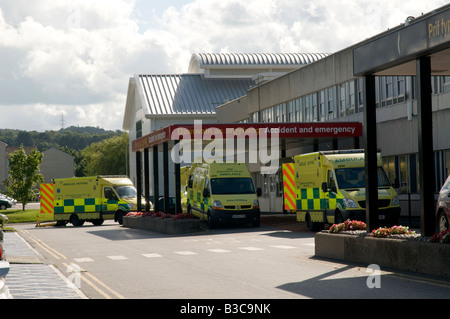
pixel 223 193
pixel 329 187
pixel 93 199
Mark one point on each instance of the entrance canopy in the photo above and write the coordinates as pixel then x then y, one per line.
pixel 172 134
pixel 420 48
pixel 395 51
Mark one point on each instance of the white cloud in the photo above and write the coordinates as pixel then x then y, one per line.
pixel 74 58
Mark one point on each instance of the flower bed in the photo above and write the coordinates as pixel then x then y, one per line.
pixel 161 215
pixel 348 225
pixel 356 227
pixel 394 232
pixel 162 222
pixel 443 237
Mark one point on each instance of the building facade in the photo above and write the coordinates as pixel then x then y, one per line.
pixel 328 91
pixel 155 101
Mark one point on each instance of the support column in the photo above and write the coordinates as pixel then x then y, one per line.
pixel 425 139
pixel 166 175
pixel 155 180
pixel 370 153
pixel 177 182
pixel 146 181
pixel 139 181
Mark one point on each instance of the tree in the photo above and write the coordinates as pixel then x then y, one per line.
pixel 108 157
pixel 23 174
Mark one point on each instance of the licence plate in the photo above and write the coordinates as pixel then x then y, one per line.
pixel 381 217
pixel 239 216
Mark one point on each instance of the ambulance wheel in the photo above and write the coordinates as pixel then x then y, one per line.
pixel 256 222
pixel 312 226
pixel 338 218
pixel 97 222
pixel 119 217
pixel 75 220
pixel 211 223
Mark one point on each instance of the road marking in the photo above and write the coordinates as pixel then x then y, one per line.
pixel 309 244
pixel 250 248
pixel 151 255
pixel 283 246
pixel 44 246
pixel 117 257
pixel 83 260
pixel 219 250
pixel 84 273
pixel 185 253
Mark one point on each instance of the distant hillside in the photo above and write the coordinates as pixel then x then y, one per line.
pixel 75 138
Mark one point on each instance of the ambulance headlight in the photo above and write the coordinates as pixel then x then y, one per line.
pixel 350 203
pixel 217 205
pixel 395 201
pixel 255 204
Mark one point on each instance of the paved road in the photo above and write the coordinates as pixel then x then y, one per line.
pixel 270 262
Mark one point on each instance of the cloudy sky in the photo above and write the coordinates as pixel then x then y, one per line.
pixel 68 62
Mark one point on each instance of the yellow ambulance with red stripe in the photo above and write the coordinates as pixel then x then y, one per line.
pixel 93 199
pixel 328 187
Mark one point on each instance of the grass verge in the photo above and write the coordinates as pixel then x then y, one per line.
pixel 25 216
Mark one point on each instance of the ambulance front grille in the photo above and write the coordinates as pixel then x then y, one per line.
pixel 240 207
pixel 381 203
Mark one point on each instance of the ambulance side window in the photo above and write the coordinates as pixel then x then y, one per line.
pixel 109 193
pixel 331 183
pixel 191 181
pixel 206 184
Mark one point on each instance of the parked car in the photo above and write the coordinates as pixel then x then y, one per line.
pixel 443 206
pixel 4 265
pixel 12 200
pixel 5 204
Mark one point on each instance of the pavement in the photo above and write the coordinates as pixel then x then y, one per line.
pixel 30 278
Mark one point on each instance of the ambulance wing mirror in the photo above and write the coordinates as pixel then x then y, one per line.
pixel 324 187
pixel 206 192
pixel 258 192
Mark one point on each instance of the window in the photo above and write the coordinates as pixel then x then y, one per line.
pixel 298 110
pixel 446 84
pixel 401 89
pixel 109 194
pixel 314 108
pixel 307 109
pixel 322 113
pixel 331 103
pixel 291 111
pixel 342 100
pixel 360 90
pixel 351 97
pixel 138 129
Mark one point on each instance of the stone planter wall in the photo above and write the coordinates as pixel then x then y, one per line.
pixel 165 226
pixel 410 255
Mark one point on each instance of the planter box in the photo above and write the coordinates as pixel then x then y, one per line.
pixel 165 226
pixel 410 255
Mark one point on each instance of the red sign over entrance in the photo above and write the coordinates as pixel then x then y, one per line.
pixel 249 130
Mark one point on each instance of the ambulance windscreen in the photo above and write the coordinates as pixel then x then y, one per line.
pixel 126 191
pixel 355 177
pixel 233 185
